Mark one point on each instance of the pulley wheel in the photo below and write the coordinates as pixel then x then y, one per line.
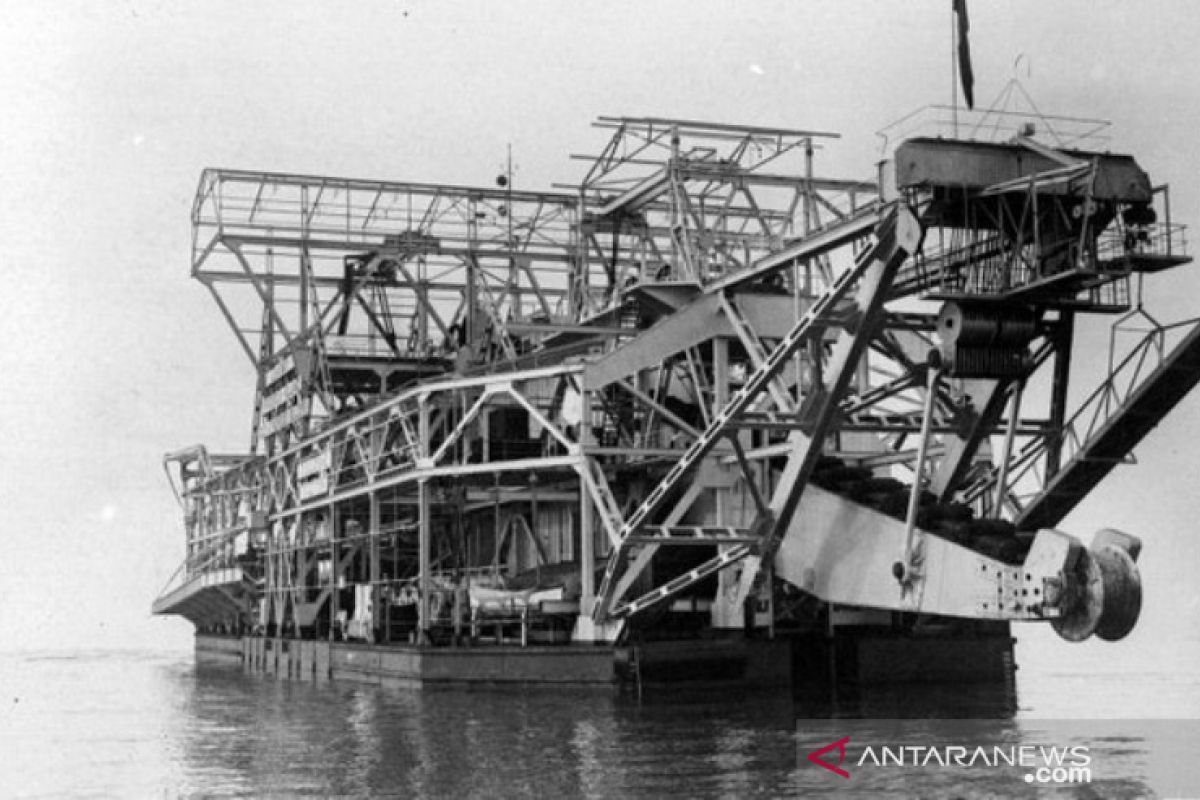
pixel 1086 602
pixel 1122 592
pixel 1110 536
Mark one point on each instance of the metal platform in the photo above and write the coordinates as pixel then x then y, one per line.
pixel 208 598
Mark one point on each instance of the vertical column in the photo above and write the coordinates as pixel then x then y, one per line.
pixel 577 282
pixel 335 570
pixel 1063 339
pixel 271 582
pixel 497 523
pixel 373 555
pixel 720 388
pixel 587 554
pixel 423 557
pixel 305 264
pixel 587 544
pixel 485 434
pixel 422 299
pixel 809 200
pixel 423 528
pixel 472 265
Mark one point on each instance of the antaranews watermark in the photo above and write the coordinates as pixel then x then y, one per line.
pixel 998 757
pixel 1042 764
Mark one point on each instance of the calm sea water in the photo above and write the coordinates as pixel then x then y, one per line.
pixel 145 724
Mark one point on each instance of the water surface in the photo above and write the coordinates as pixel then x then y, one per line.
pixel 146 724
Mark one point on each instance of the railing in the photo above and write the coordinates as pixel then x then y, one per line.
pixel 1159 239
pixel 212 558
pixel 1095 411
pixel 987 268
pixel 175 581
pixel 947 122
pixel 373 214
pixel 981 266
pixel 370 346
pixel 217 549
pixel 311 471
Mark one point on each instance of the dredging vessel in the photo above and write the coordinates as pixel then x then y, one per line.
pixel 708 413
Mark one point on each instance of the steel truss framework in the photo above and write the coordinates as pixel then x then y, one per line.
pixel 704 371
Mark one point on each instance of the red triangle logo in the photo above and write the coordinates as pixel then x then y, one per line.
pixel 840 746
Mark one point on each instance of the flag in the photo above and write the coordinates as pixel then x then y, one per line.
pixel 964 53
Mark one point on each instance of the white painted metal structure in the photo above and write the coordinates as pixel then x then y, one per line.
pixel 697 383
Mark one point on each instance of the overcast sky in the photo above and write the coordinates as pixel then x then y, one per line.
pixel 112 356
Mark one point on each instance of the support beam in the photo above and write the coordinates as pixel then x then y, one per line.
pixel 587 551
pixel 374 574
pixel 961 448
pixel 823 406
pixel 424 560
pixel 1063 336
pixel 898 237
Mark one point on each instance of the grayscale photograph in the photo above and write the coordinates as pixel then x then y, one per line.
pixel 533 399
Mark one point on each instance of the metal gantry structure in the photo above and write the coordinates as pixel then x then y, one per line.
pixel 708 388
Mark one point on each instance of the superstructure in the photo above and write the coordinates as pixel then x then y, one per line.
pixel 707 397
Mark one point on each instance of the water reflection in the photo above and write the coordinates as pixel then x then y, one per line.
pixel 159 726
pixel 240 733
pixel 985 700
pixel 295 738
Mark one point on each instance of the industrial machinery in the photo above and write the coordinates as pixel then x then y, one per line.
pixel 708 393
